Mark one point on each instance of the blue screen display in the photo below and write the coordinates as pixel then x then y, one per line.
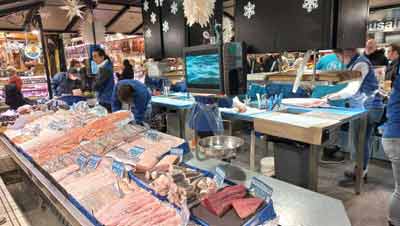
pixel 203 70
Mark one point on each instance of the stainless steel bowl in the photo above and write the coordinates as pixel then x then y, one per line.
pixel 219 146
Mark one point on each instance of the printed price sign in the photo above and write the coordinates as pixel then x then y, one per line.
pixel 136 152
pixel 178 152
pixel 260 189
pixel 94 161
pixel 81 161
pixel 219 177
pixel 118 168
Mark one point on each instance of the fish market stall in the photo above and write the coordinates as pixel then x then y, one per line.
pixel 305 122
pixel 98 169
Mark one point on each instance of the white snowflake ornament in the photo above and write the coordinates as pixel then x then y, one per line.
pixel 73 8
pixel 249 10
pixel 153 18
pixel 165 26
pixel 174 8
pixel 147 33
pixel 227 29
pixel 310 5
pixel 146 6
pixel 198 11
pixel 159 3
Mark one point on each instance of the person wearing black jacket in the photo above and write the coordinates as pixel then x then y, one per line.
pixel 393 68
pixel 14 97
pixel 127 72
pixel 376 56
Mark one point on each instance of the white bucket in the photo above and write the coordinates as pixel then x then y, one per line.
pixel 268 166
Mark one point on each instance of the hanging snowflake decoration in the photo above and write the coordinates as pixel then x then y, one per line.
pixel 146 6
pixel 198 11
pixel 227 27
pixel 165 26
pixel 147 33
pixel 153 18
pixel 249 10
pixel 159 3
pixel 73 8
pixel 174 8
pixel 310 5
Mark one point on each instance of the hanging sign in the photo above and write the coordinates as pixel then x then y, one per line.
pixel 32 51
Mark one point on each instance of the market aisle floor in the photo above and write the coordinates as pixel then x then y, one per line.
pixel 368 209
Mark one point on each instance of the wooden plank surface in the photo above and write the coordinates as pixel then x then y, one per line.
pixel 328 76
pixel 310 134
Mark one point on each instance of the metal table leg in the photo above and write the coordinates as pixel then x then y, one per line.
pixel 360 153
pixel 253 150
pixel 313 167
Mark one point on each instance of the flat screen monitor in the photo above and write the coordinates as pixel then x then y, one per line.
pixel 203 69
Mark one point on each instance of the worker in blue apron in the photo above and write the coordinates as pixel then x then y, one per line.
pixel 391 146
pixel 136 94
pixel 361 94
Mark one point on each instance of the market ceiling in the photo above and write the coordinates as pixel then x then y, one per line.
pixel 118 16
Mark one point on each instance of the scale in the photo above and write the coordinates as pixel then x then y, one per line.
pixel 223 148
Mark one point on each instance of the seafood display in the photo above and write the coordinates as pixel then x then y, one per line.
pixel 123 174
pixel 181 184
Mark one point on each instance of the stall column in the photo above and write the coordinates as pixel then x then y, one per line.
pixel 360 153
pixel 45 52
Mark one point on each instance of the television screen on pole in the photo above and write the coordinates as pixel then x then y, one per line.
pixel 203 69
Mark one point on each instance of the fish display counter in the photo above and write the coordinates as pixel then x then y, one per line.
pixel 99 169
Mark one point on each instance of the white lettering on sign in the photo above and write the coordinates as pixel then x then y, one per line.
pixel 384 25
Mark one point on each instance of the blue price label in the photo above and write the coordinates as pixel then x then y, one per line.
pixel 94 161
pixel 219 177
pixel 81 161
pixel 260 189
pixel 118 168
pixel 177 151
pixel 136 152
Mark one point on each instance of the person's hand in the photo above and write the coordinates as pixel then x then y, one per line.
pixel 333 96
pixel 77 92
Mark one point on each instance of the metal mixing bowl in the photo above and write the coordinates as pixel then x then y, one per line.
pixel 219 146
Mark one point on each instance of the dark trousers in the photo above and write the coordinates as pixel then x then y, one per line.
pixel 106 106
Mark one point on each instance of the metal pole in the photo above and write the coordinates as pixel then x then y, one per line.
pixel 93 23
pixel 315 68
pixel 45 54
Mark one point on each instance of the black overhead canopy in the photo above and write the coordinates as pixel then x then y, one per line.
pixel 118 16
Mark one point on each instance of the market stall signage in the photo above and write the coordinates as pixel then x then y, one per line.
pixel 118 168
pixel 32 51
pixel 136 152
pixel 384 25
pixel 260 189
pixel 219 177
pixel 94 161
pixel 177 151
pixel 81 161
